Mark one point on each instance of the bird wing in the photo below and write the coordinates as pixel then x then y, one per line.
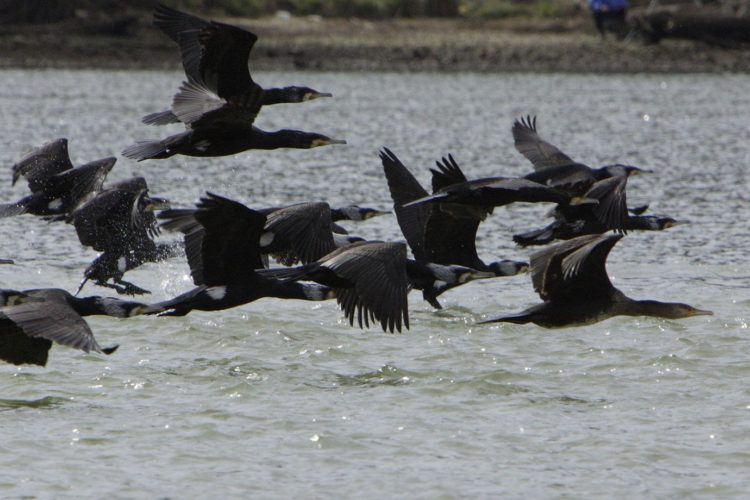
pixel 574 269
pixel 230 250
pixel 448 172
pixel 539 152
pixel 378 271
pixel 198 106
pixel 53 321
pixel 574 178
pixel 450 237
pixel 405 188
pixel 612 209
pixel 18 348
pixel 87 179
pixel 214 53
pixel 42 163
pixel 305 227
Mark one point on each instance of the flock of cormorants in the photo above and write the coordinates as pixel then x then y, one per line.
pixel 228 244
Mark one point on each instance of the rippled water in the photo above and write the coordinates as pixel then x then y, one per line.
pixel 282 398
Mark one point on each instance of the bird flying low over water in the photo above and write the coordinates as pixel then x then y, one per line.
pixel 223 252
pixel 56 186
pixel 435 233
pixel 31 320
pixel 218 53
pixel 572 280
pixel 119 222
pixel 554 168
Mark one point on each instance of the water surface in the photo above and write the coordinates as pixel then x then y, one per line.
pixel 281 398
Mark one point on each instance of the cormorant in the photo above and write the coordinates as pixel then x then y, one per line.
pixel 572 280
pixel 433 234
pixel 56 187
pixel 554 168
pixel 120 223
pixel 32 319
pixel 219 127
pixel 223 252
pixel 213 51
pixel 303 232
pixel 372 278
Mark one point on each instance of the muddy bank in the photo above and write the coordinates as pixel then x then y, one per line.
pixel 396 45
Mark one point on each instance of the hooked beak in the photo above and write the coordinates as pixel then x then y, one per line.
pixel 580 200
pixel 315 95
pixel 674 223
pixel 326 142
pixel 701 312
pixel 375 213
pixel 155 203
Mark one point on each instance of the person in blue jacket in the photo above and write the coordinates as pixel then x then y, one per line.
pixel 609 15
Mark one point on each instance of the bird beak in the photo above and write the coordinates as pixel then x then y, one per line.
pixel 157 204
pixel 675 223
pixel 315 95
pixel 580 200
pixel 642 171
pixel 701 312
pixel 375 213
pixel 325 142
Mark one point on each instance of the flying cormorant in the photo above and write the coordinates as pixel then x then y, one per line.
pixel 433 234
pixel 223 252
pixel 572 280
pixel 554 168
pixel 31 320
pixel 213 51
pixel 120 223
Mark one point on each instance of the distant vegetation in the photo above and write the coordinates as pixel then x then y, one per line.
pixel 40 11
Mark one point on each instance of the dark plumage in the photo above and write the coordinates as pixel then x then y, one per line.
pixel 434 232
pixel 372 278
pixel 31 320
pixel 56 187
pixel 219 126
pixel 572 280
pixel 297 233
pixel 223 252
pixel 120 223
pixel 554 168
pixel 217 53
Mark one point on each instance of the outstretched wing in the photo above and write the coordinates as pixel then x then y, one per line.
pixel 305 229
pixel 214 53
pixel 574 268
pixel 612 209
pixel 42 163
pixel 405 188
pixel 378 271
pixel 539 152
pixel 230 248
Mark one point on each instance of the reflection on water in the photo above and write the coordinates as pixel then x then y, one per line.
pixel 284 399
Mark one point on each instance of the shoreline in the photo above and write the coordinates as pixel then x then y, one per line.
pixel 416 45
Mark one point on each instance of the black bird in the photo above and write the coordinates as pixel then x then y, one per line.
pixel 219 126
pixel 372 278
pixel 56 187
pixel 217 52
pixel 495 192
pixel 31 320
pixel 554 168
pixel 303 232
pixel 433 234
pixel 120 223
pixel 223 252
pixel 572 280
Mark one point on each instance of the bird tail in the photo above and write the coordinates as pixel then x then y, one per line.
pixel 535 237
pixel 12 209
pixel 518 318
pixel 160 118
pixel 147 150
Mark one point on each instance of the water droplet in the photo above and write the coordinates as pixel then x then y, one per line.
pixel 646 118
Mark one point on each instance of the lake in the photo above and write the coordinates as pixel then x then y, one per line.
pixel 285 399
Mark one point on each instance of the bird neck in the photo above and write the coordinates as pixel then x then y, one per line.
pixel 654 308
pixel 284 138
pixel 279 96
pixel 641 222
pixel 107 306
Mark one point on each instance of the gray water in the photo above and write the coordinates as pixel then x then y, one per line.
pixel 285 399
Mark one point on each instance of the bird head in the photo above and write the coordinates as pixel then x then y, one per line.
pixel 357 213
pixel 508 267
